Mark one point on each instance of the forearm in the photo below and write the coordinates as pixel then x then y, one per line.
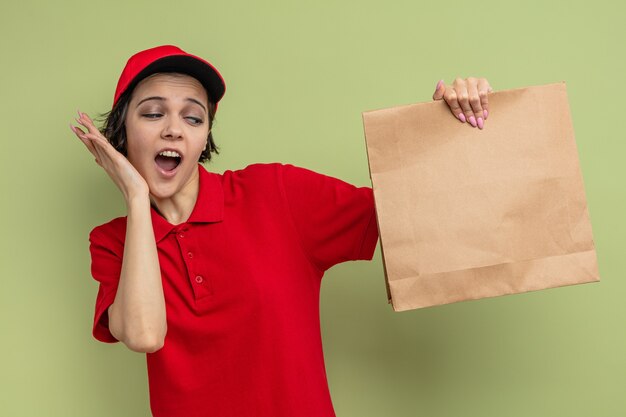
pixel 138 313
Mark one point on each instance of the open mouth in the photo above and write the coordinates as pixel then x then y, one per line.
pixel 168 160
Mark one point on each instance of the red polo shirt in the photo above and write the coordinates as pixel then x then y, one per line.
pixel 241 280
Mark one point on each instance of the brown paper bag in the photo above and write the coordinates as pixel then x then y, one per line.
pixel 465 213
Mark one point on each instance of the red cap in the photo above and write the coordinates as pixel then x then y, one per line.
pixel 170 58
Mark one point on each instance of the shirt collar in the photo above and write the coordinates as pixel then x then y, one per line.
pixel 209 205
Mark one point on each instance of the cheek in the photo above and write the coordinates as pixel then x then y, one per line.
pixel 199 145
pixel 136 149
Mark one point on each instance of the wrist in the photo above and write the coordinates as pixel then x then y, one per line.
pixel 138 199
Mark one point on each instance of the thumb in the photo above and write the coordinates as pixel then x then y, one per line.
pixel 439 90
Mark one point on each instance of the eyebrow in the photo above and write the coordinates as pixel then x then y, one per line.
pixel 193 100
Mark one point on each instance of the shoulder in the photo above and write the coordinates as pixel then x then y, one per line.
pixel 272 170
pixel 260 174
pixel 267 180
pixel 256 170
pixel 111 233
pixel 260 169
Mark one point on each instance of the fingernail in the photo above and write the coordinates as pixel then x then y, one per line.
pixel 472 120
pixel 480 122
pixel 71 127
pixel 486 113
pixel 461 116
pixel 438 85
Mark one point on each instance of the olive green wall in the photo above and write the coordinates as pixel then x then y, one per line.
pixel 298 76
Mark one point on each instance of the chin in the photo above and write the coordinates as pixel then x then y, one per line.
pixel 160 193
pixel 163 189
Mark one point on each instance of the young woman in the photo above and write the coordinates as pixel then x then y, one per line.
pixel 216 277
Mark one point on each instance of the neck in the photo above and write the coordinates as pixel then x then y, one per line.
pixel 177 208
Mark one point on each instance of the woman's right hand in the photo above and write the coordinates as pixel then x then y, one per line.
pixel 122 172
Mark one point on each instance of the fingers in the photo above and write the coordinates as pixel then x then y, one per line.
pixel 483 91
pixel 100 152
pixel 462 97
pixel 97 144
pixel 450 96
pixel 439 90
pixel 474 100
pixel 84 120
pixel 468 100
pixel 81 135
pixel 102 147
pixel 114 163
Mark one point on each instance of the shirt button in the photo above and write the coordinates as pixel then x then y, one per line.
pixel 190 254
pixel 199 279
pixel 181 235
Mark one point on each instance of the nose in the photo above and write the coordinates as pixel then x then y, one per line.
pixel 172 129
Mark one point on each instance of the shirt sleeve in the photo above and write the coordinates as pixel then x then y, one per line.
pixel 106 266
pixel 335 220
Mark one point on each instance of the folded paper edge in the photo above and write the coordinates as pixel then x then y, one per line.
pixel 504 279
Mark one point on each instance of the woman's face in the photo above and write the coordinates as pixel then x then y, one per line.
pixel 167 126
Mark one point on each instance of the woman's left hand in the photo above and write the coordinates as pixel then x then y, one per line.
pixel 467 99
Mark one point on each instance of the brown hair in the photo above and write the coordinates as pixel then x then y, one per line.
pixel 114 128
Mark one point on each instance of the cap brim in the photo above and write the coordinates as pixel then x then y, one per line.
pixel 203 72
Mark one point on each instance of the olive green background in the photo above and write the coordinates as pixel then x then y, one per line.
pixel 298 76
